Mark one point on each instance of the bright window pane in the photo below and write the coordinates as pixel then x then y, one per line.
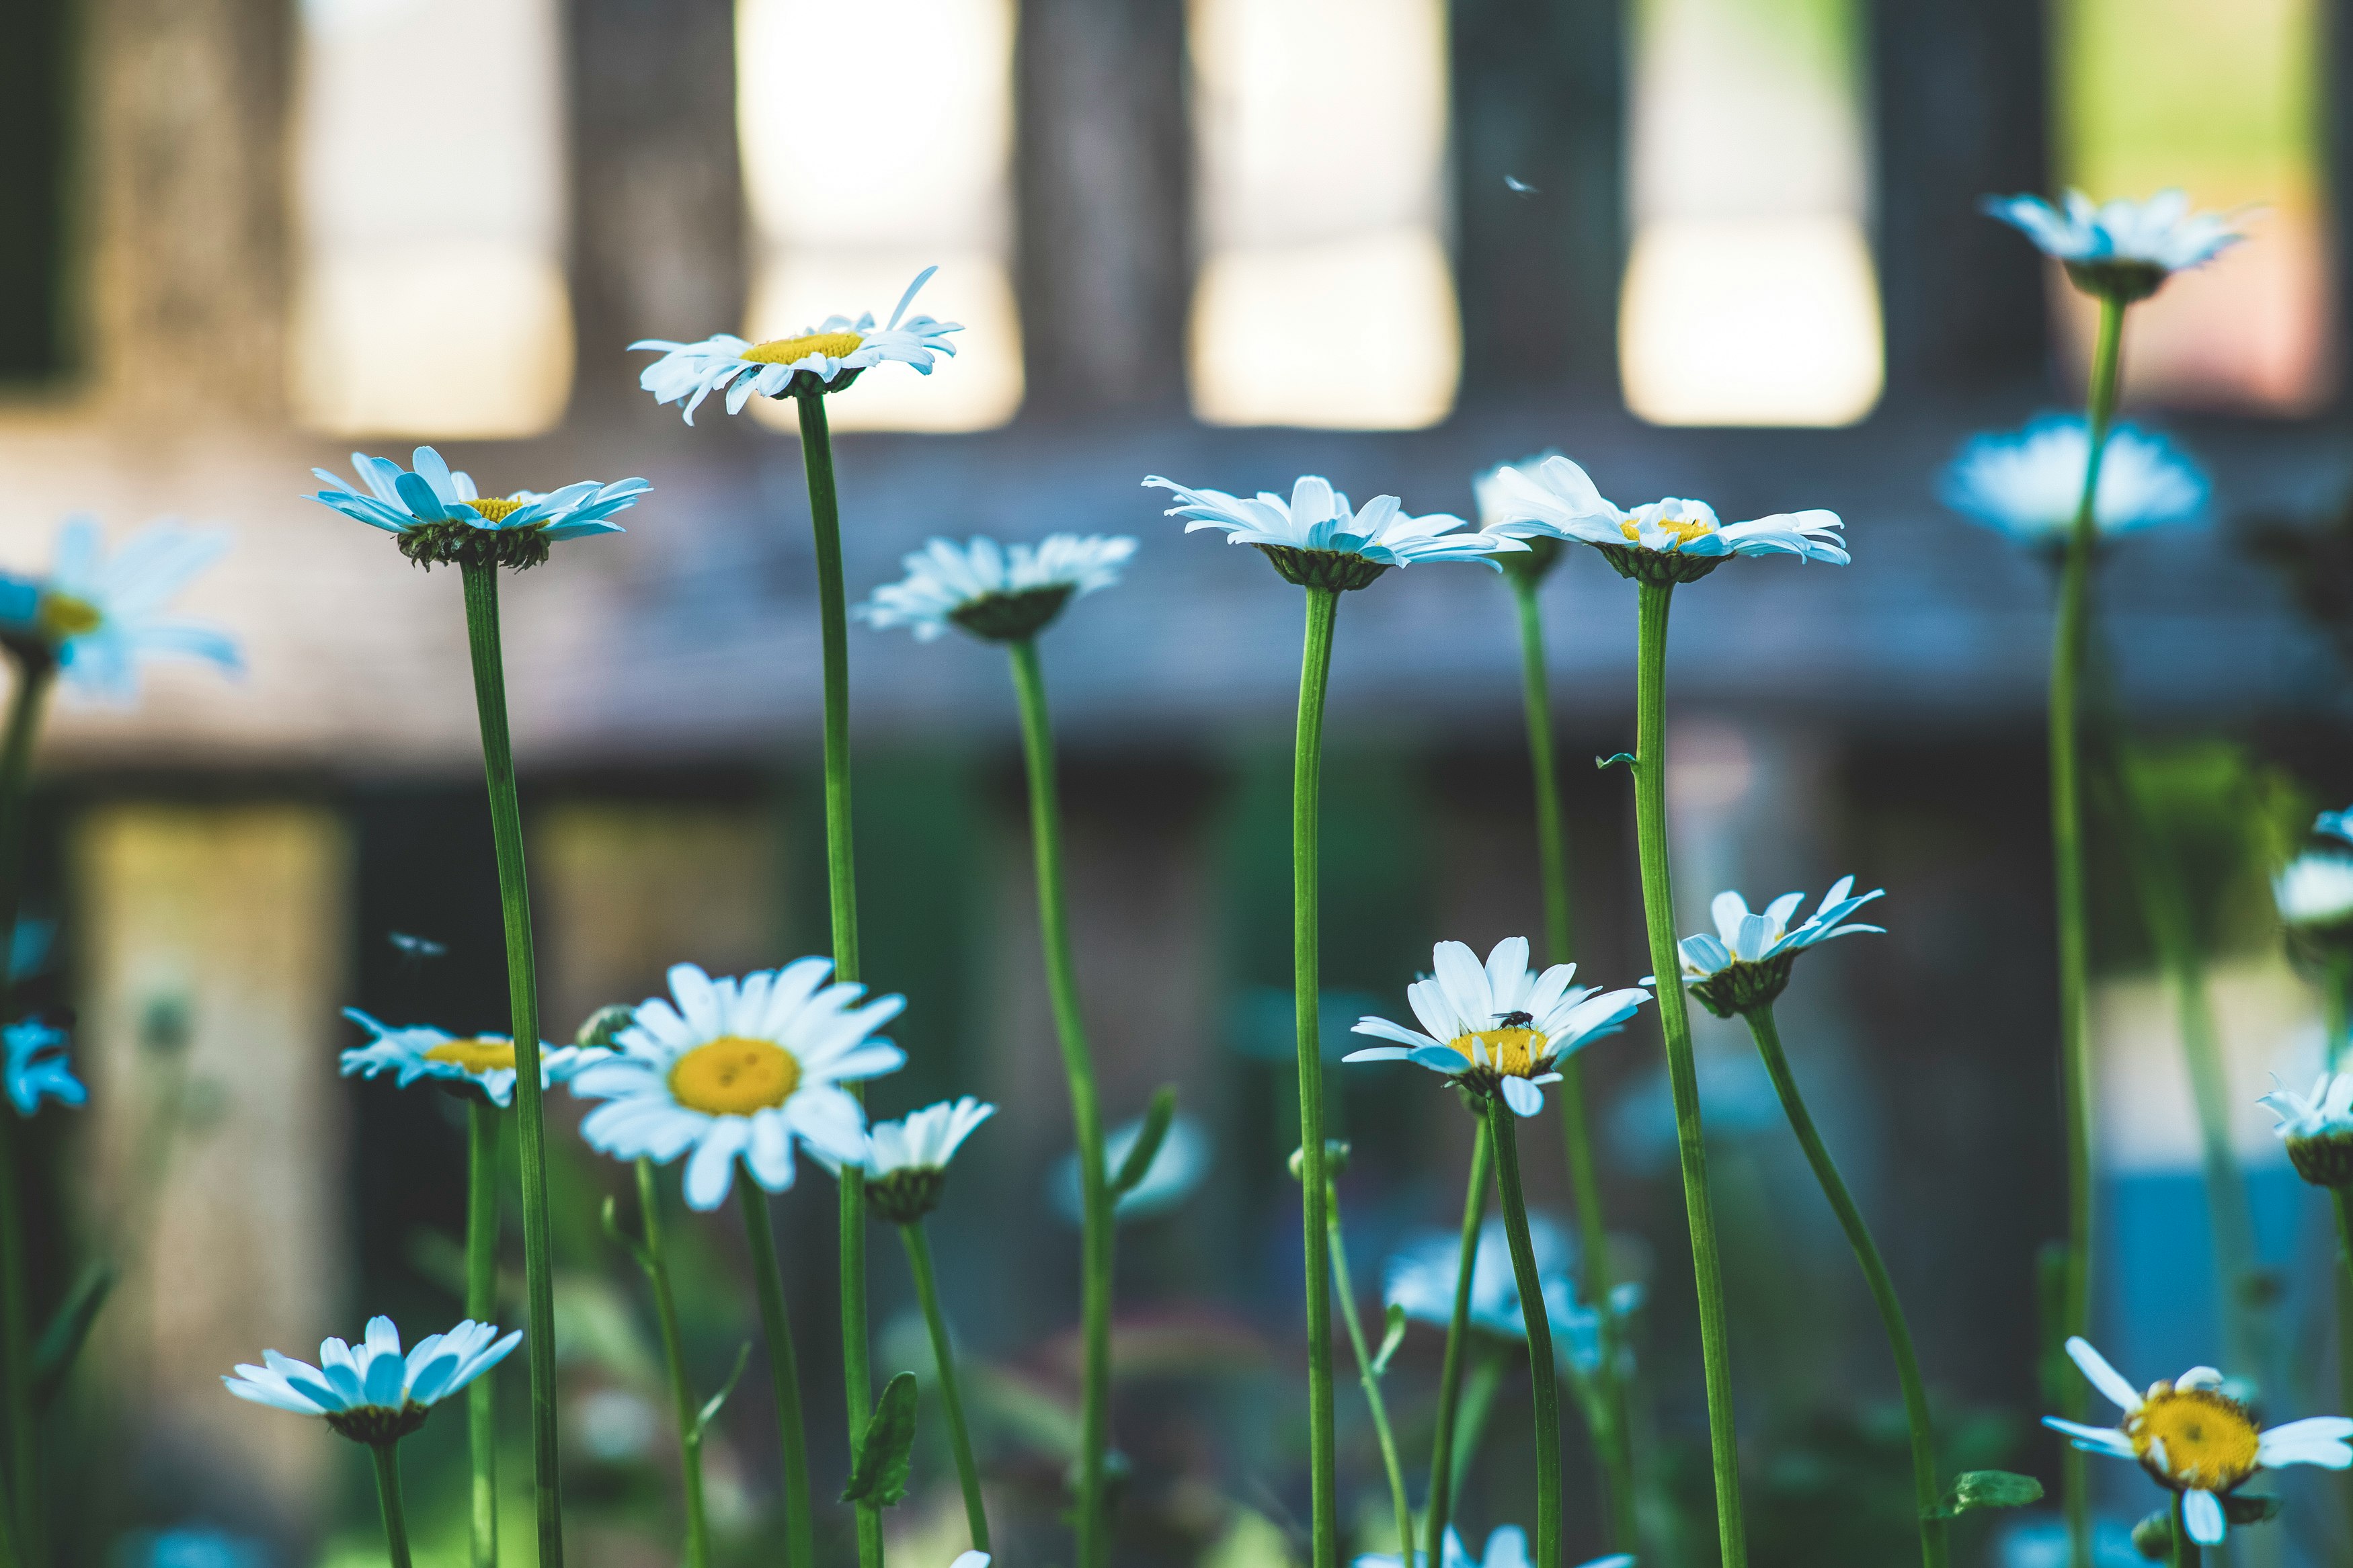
pixel 877 141
pixel 1325 296
pixel 2220 98
pixel 430 298
pixel 1750 296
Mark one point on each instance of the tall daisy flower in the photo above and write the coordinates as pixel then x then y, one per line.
pixel 2120 249
pixel 37 1067
pixel 481 1065
pixel 998 593
pixel 2027 483
pixel 737 1071
pixel 823 358
pixel 1746 964
pixel 2196 1441
pixel 1498 1028
pixel 2317 1129
pixel 97 616
pixel 441 518
pixel 1317 540
pixel 1507 1547
pixel 1676 539
pixel 1498 516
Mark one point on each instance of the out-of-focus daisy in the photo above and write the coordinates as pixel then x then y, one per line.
pixel 2122 250
pixel 1178 1166
pixel 2194 1439
pixel 998 593
pixel 2314 892
pixel 2334 824
pixel 1545 548
pixel 441 518
pixel 2317 1129
pixel 1496 1029
pixel 2027 483
pixel 38 1068
pixel 96 617
pixel 484 1064
pixel 740 1070
pixel 1672 541
pixel 1507 1547
pixel 371 1393
pixel 1746 962
pixel 196 1546
pixel 1318 540
pixel 907 1161
pixel 826 358
pixel 1421 1279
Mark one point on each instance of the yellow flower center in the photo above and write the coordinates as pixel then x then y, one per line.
pixel 1684 529
pixel 732 1076
pixel 792 350
pixel 476 1055
pixel 2194 1438
pixel 62 615
pixel 1513 1053
pixel 494 508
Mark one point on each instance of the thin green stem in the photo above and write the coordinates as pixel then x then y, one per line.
pixel 684 1407
pixel 1925 1487
pixel 1458 1333
pixel 1543 1373
pixel 388 1491
pixel 841 904
pixel 482 1306
pixel 482 586
pixel 1367 1378
pixel 927 1291
pixel 1682 1074
pixel 1307 793
pixel 1606 1412
pixel 22 1535
pixel 2068 646
pixel 2186 1553
pixel 784 1371
pixel 1097 1235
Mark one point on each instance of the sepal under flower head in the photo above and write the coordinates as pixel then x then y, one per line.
pixel 371 1393
pixel 1746 964
pixel 2120 250
pixel 996 593
pixel 2317 1129
pixel 96 615
pixel 827 357
pixel 1317 540
pixel 2029 483
pixel 38 1068
pixel 441 520
pixel 1663 542
pixel 907 1161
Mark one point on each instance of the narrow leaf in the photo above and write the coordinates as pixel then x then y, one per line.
pixel 69 1331
pixel 1986 1488
pixel 1391 1337
pixel 878 1477
pixel 709 1410
pixel 1148 1139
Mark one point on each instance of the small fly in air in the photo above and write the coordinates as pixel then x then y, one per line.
pixel 1519 187
pixel 1515 1020
pixel 417 949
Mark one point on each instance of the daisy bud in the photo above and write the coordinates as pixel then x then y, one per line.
pixel 1335 1158
pixel 597 1030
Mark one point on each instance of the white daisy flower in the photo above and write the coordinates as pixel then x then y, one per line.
pixel 907 1161
pixel 2194 1439
pixel 372 1394
pixel 1497 1029
pixel 484 1064
pixel 1671 541
pixel 739 1070
pixel 2315 891
pixel 826 358
pixel 1544 547
pixel 998 593
pixel 970 1560
pixel 2334 824
pixel 1746 962
pixel 2317 1129
pixel 97 617
pixel 1178 1167
pixel 1421 1279
pixel 1318 540
pixel 2124 249
pixel 36 1067
pixel 2027 483
pixel 1507 1547
pixel 439 517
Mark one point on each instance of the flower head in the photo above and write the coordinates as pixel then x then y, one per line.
pixel 483 1064
pixel 2123 250
pixel 372 1394
pixel 907 1161
pixel 2317 1129
pixel 1669 540
pixel 1507 1547
pixel 96 617
pixel 998 593
pixel 1318 540
pixel 1746 962
pixel 825 358
pixel 2334 824
pixel 1544 547
pixel 38 1068
pixel 2029 483
pixel 1496 1029
pixel 739 1070
pixel 440 519
pixel 2315 893
pixel 2194 1439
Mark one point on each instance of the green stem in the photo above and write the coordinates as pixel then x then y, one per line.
pixel 684 1407
pixel 1925 1490
pixel 1480 1388
pixel 388 1491
pixel 927 1291
pixel 1606 1412
pixel 2068 646
pixel 1682 1075
pixel 784 1371
pixel 22 1535
pixel 2186 1553
pixel 482 1306
pixel 841 903
pixel 1450 1383
pixel 1543 1372
pixel 1097 1236
pixel 482 586
pixel 1367 1378
pixel 1306 791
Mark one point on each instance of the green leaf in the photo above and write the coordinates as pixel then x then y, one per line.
pixel 69 1331
pixel 709 1411
pixel 1148 1139
pixel 1986 1488
pixel 1391 1337
pixel 879 1477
